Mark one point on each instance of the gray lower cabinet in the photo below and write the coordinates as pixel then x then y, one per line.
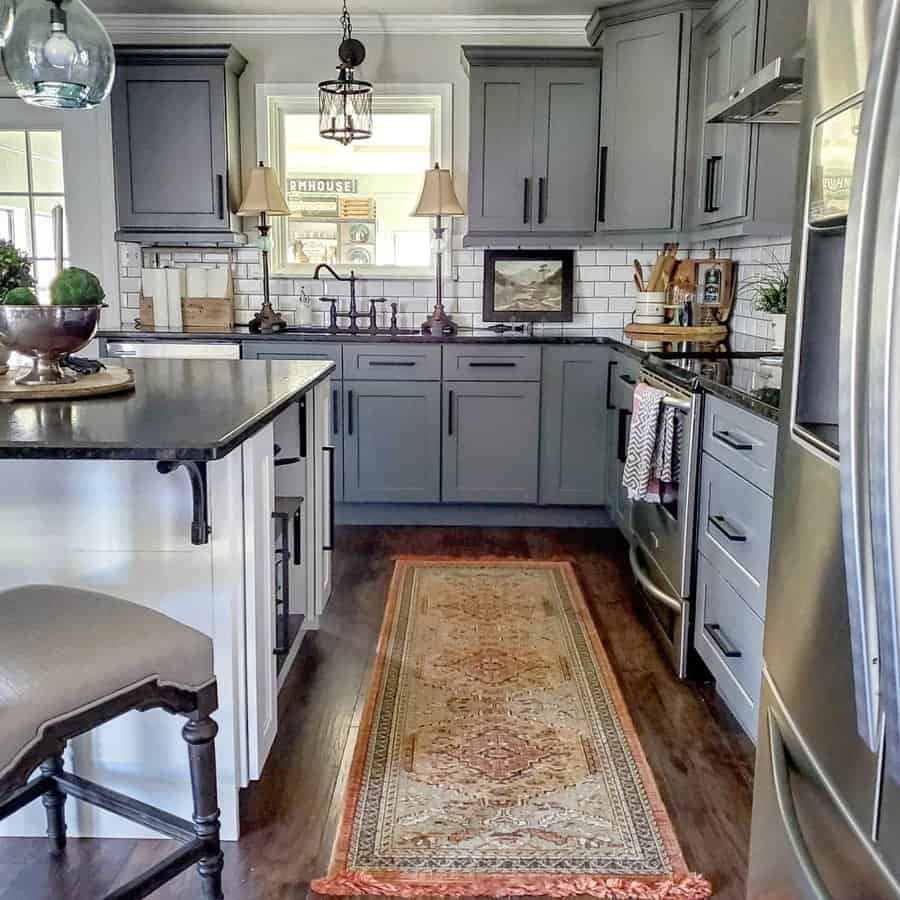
pixel 392 441
pixel 490 444
pixel 176 142
pixel 622 376
pixel 573 426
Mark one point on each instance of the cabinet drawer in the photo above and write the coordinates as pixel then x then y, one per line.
pixel 735 526
pixel 729 638
pixel 492 363
pixel 288 349
pixel 397 362
pixel 624 380
pixel 741 440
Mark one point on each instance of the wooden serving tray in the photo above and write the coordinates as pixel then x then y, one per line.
pixel 107 381
pixel 678 332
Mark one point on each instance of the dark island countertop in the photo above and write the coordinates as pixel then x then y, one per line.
pixel 179 410
pixel 741 382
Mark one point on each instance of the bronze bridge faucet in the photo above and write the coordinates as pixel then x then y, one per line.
pixel 353 314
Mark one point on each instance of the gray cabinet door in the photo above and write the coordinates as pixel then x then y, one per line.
pixel 573 426
pixel 490 442
pixel 392 441
pixel 728 52
pixel 501 139
pixel 567 116
pixel 170 146
pixel 639 124
pixel 301 350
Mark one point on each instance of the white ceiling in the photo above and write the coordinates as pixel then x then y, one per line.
pixel 362 7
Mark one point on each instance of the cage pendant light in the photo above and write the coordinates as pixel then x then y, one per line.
pixel 345 103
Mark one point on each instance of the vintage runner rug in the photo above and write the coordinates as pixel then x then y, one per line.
pixel 495 755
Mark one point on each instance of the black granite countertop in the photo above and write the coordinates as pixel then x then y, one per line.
pixel 179 409
pixel 743 381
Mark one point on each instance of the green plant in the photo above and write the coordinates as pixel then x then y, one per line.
pixel 15 268
pixel 76 287
pixel 20 296
pixel 770 290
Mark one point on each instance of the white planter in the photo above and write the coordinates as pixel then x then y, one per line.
pixel 779 321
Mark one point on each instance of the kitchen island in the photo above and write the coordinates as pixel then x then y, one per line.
pixel 169 496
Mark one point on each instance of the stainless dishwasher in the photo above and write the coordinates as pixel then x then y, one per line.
pixel 183 349
pixel 662 547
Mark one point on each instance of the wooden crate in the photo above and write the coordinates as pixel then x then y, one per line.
pixel 197 313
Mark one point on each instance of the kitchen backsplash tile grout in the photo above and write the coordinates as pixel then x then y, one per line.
pixel 604 292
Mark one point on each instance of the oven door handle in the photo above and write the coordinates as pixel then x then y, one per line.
pixel 643 579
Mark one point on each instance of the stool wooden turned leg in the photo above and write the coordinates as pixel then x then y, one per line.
pixel 200 735
pixel 54 801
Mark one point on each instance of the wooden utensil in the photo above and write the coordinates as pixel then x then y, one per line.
pixel 638 283
pixel 656 275
pixel 639 275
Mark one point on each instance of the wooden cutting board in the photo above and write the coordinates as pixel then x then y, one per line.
pixel 108 381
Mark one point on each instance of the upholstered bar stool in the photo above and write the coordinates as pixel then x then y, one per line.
pixel 71 660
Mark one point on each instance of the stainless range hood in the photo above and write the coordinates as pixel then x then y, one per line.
pixel 773 95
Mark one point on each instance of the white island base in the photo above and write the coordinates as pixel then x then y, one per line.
pixel 121 527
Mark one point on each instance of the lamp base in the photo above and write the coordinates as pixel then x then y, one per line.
pixel 267 321
pixel 440 324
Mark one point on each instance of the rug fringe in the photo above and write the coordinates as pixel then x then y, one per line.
pixel 604 887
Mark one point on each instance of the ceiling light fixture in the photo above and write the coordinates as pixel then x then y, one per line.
pixel 345 104
pixel 58 54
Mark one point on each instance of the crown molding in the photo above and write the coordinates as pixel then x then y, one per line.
pixel 193 25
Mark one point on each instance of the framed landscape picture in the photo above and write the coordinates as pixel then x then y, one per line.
pixel 528 285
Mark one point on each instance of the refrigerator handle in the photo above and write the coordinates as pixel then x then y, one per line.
pixel 859 381
pixel 788 812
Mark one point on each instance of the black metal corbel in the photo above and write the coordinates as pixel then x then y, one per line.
pixel 200 530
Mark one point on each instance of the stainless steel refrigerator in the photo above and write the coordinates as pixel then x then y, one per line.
pixel 826 807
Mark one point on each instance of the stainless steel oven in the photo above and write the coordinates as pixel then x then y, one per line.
pixel 662 549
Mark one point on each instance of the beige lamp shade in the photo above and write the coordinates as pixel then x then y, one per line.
pixel 438 197
pixel 263 194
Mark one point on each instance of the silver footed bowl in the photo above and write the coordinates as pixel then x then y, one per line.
pixel 46 334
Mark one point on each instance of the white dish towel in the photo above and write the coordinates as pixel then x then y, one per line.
pixel 651 466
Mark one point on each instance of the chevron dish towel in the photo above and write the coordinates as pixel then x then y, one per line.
pixel 651 466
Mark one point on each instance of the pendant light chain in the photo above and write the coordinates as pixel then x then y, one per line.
pixel 346 23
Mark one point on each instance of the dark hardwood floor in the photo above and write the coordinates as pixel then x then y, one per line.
pixel 702 761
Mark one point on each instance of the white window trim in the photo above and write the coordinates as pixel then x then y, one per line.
pixel 274 99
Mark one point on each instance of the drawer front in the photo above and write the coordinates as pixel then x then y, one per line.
pixel 624 380
pixel 729 638
pixel 289 349
pixel 735 526
pixel 397 362
pixel 741 440
pixel 492 363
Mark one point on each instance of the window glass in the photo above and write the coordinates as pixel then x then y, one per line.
pixel 352 206
pixel 46 162
pixel 13 162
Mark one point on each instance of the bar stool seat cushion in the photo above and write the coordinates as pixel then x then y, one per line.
pixel 64 650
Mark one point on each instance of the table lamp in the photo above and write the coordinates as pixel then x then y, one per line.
pixel 263 198
pixel 438 199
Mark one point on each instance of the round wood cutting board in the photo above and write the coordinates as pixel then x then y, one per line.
pixel 107 381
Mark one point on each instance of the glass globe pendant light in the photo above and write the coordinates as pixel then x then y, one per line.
pixel 59 55
pixel 345 104
pixel 6 21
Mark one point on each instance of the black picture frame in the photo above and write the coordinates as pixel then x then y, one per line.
pixel 566 261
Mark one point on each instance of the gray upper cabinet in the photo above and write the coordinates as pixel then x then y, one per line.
pixel 176 143
pixel 740 179
pixel 392 441
pixel 490 442
pixel 573 426
pixel 643 106
pixel 533 131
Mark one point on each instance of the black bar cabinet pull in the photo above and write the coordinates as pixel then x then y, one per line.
pixel 330 452
pixel 713 176
pixel 627 379
pixel 609 367
pixel 349 412
pixel 542 200
pixel 303 428
pixel 392 362
pixel 220 194
pixel 601 193
pixel 450 413
pixel 526 191
pixel 727 529
pixel 335 411
pixel 493 365
pixel 735 443
pixel 298 534
pixel 726 648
